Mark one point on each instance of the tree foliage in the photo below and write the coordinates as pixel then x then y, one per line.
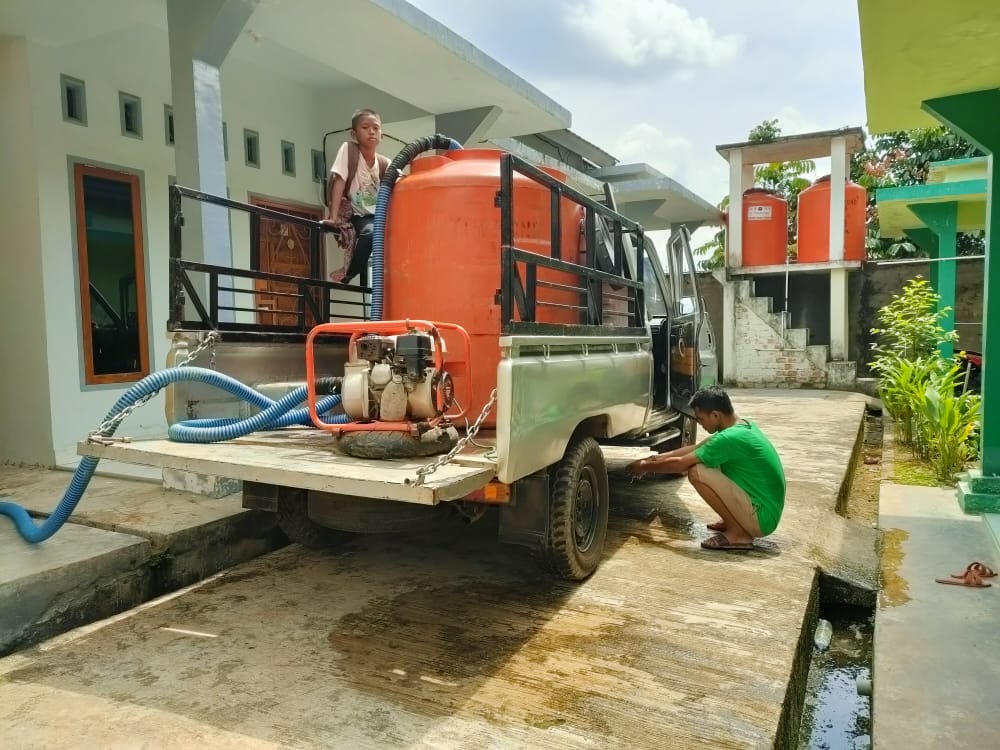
pixel 900 159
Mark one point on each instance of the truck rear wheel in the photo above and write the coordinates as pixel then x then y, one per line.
pixel 578 511
pixel 294 521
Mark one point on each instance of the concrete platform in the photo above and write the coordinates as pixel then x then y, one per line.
pixel 452 640
pixel 183 537
pixel 937 648
pixel 78 576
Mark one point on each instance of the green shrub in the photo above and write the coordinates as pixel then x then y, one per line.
pixel 920 390
pixel 902 385
pixel 947 423
pixel 911 323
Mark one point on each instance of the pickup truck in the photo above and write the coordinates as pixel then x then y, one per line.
pixel 562 392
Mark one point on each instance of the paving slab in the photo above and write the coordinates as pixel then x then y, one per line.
pixel 188 537
pixel 937 647
pixel 451 640
pixel 78 576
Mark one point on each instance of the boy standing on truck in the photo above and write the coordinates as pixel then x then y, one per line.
pixel 736 470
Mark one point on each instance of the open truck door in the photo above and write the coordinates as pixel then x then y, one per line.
pixel 686 320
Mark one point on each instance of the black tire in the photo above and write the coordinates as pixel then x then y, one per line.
pixel 294 521
pixel 578 511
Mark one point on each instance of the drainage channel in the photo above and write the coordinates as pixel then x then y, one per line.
pixel 836 714
pixel 836 710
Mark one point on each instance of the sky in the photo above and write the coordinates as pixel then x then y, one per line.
pixel 665 81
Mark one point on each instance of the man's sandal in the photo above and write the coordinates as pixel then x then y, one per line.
pixel 983 571
pixel 719 542
pixel 970 579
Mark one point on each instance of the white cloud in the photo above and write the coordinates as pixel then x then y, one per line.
pixel 640 32
pixel 793 122
pixel 704 174
pixel 644 142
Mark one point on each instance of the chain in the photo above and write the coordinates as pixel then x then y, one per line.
pixel 470 433
pixel 108 426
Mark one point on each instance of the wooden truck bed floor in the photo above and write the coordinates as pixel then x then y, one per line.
pixel 305 457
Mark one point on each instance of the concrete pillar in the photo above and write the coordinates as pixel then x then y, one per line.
pixel 468 127
pixel 976 117
pixel 927 241
pixel 25 382
pixel 838 183
pixel 201 33
pixel 839 318
pixel 734 233
pixel 728 327
pixel 942 220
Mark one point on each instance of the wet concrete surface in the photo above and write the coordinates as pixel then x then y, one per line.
pixel 452 640
pixel 126 542
pixel 937 647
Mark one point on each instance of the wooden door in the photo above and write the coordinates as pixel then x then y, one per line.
pixel 283 247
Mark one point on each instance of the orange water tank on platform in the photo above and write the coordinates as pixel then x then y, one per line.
pixel 765 228
pixel 814 222
pixel 442 255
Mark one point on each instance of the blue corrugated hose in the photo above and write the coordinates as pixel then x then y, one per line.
pixel 274 414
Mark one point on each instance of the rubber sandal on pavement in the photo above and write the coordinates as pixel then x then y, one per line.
pixel 719 542
pixel 983 571
pixel 970 579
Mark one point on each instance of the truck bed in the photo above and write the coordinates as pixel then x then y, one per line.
pixel 304 457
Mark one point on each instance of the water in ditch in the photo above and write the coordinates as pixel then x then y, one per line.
pixel 835 716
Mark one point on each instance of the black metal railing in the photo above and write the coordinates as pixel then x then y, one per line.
pixel 209 290
pixel 602 291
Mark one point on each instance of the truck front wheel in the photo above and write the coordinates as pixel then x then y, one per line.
pixel 294 520
pixel 578 511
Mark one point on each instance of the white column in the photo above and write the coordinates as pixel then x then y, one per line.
pixel 26 388
pixel 200 36
pixel 734 233
pixel 839 322
pixel 728 327
pixel 838 181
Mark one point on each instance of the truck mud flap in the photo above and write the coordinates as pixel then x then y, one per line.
pixel 525 520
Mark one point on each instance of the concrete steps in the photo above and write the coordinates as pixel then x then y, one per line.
pixel 781 355
pixel 978 494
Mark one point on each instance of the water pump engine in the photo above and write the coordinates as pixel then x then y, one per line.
pixel 393 379
pixel 399 399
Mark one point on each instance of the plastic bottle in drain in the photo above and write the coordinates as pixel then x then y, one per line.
pixel 823 634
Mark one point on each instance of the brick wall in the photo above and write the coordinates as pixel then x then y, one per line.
pixel 765 357
pixel 869 290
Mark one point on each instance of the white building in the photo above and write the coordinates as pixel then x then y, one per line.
pixel 103 104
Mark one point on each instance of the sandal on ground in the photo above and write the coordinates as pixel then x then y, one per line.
pixel 720 542
pixel 970 579
pixel 983 571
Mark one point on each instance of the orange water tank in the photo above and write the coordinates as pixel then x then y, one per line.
pixel 814 222
pixel 442 255
pixel 765 228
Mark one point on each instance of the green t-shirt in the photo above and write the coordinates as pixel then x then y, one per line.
pixel 745 455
